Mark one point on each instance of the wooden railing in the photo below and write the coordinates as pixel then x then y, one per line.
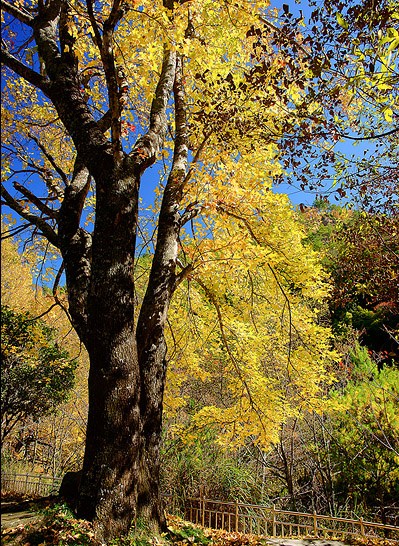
pixel 269 521
pixel 31 484
pixel 234 516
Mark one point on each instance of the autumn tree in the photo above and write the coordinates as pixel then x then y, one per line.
pixel 51 442
pixel 360 250
pixel 95 93
pixel 36 374
pixel 365 437
pixel 352 52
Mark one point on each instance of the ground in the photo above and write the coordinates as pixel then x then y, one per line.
pixel 47 522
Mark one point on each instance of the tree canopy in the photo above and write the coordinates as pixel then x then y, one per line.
pixel 222 96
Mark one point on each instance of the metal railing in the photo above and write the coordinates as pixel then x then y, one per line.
pixel 31 484
pixel 269 521
pixel 234 516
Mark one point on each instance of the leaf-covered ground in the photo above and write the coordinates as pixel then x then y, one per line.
pixel 55 525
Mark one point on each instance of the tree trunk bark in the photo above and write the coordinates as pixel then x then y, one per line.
pixel 108 490
pixel 120 476
pixel 153 373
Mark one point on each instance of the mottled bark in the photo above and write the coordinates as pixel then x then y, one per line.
pixel 120 476
pixel 151 323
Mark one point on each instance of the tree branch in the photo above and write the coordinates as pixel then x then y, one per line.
pixel 146 148
pixel 222 208
pixel 192 210
pixel 97 35
pixel 40 223
pixel 104 123
pixel 36 201
pixel 105 46
pixel 371 137
pixel 16 12
pixel 117 12
pixel 25 72
pixel 51 160
pixel 184 273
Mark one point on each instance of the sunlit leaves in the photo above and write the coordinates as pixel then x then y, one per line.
pixel 251 302
pixel 249 349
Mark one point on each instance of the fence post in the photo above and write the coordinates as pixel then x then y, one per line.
pixel 315 523
pixel 236 516
pixel 362 527
pixel 203 509
pixel 274 520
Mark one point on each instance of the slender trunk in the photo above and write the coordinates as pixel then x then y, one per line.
pixel 152 348
pixel 287 467
pixel 150 505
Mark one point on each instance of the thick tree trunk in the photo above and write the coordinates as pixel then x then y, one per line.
pixel 120 476
pixel 108 491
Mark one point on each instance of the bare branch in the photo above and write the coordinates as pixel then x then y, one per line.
pixel 13 231
pixel 370 137
pixel 55 295
pixel 18 13
pixel 36 201
pixel 51 160
pixel 40 223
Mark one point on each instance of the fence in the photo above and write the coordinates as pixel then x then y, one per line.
pixel 265 520
pixel 32 484
pixel 234 516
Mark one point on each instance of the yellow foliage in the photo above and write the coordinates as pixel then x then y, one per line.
pixel 59 437
pixel 246 344
pixel 245 341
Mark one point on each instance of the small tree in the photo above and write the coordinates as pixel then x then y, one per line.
pixel 365 436
pixel 36 374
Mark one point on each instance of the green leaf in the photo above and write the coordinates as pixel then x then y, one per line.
pixel 341 21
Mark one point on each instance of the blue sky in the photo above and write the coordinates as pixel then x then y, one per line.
pixel 151 176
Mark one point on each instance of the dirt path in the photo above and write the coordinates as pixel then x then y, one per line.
pixel 17 513
pixel 11 520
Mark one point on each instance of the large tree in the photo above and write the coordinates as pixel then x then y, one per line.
pixel 202 84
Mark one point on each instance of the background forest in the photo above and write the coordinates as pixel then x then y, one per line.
pixel 283 354
pixel 340 459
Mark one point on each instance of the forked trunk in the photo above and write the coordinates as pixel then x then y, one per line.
pixel 120 483
pixel 120 478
